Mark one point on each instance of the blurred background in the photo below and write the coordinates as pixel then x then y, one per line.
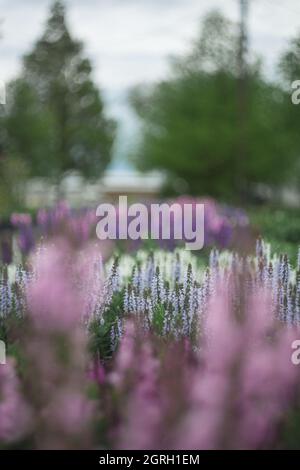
pixel 153 99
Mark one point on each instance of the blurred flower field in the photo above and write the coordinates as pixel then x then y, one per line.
pixel 142 347
pixel 142 340
pixel 223 226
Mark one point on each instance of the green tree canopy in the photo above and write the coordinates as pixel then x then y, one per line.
pixel 55 117
pixel 190 122
pixel 289 68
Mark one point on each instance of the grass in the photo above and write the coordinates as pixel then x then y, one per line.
pixel 279 226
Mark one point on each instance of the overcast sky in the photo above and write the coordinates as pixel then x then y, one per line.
pixel 129 41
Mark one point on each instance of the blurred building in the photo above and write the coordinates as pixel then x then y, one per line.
pixel 80 193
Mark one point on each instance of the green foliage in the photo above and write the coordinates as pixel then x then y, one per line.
pixel 12 175
pixel 158 319
pixel 55 118
pixel 100 333
pixel 279 226
pixel 29 129
pixel 289 68
pixel 191 125
pixel 289 65
pixel 290 432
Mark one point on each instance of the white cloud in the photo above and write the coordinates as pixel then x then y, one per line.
pixel 129 40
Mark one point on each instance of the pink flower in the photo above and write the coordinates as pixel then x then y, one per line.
pixel 125 356
pixel 14 413
pixel 142 423
pixel 69 412
pixel 96 372
pixel 240 393
pixel 54 302
pixel 20 219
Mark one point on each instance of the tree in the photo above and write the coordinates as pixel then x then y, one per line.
pixel 29 130
pixel 12 178
pixel 55 117
pixel 289 69
pixel 190 122
pixel 13 173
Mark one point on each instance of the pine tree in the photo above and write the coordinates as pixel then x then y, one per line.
pixel 76 133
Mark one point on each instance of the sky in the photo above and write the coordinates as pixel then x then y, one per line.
pixel 129 41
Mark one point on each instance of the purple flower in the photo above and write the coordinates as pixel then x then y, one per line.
pixel 54 301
